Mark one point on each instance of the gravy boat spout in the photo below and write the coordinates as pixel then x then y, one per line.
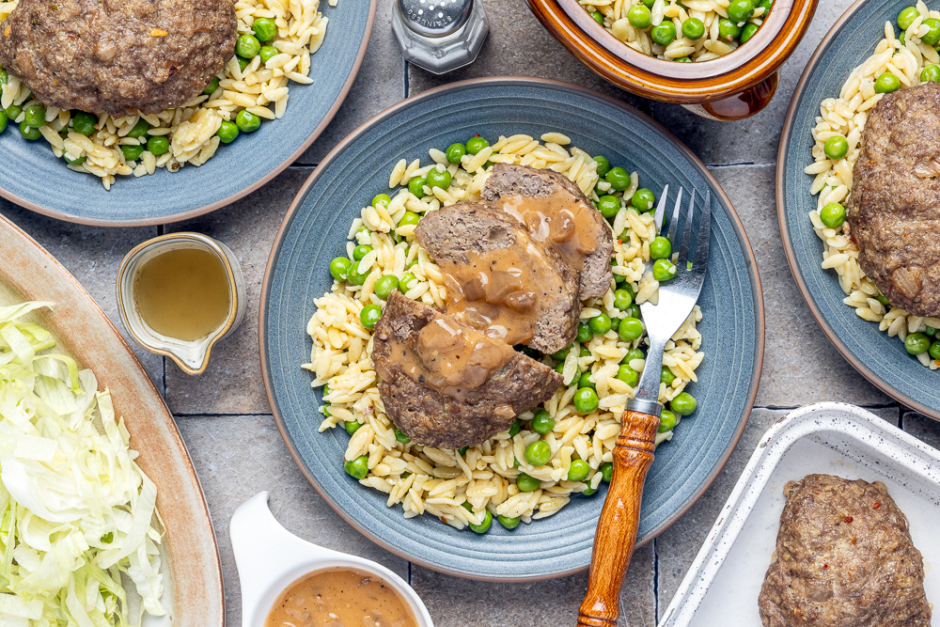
pixel 270 558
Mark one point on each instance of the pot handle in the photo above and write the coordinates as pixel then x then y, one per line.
pixel 740 106
pixel 619 521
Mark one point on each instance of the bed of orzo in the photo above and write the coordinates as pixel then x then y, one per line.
pixel 140 144
pixel 471 486
pixel 899 60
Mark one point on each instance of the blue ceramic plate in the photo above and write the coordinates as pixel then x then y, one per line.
pixel 315 230
pixel 879 358
pixel 31 176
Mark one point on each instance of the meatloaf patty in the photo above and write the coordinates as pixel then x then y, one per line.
pixel 894 209
pixel 844 558
pixel 115 56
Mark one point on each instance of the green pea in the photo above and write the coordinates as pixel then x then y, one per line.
pixel 242 63
pixel 560 368
pixel 227 132
pixel 476 144
pixel 213 85
pixel 666 376
pixel 643 200
pixel 265 29
pixel 247 121
pixel 562 354
pixel 741 10
pixel 603 165
pixel 618 178
pixel 140 128
pixel 649 3
pixel 600 324
pixel 578 470
pixel 354 277
pixel 934 350
pixel 35 116
pixel 357 468
pixel 660 248
pixel 463 450
pixel 85 123
pixel 438 178
pixel 684 404
pixel 693 28
pixel 933 35
pixel 640 16
pixel 607 470
pixel 667 421
pixel 455 153
pixel 622 299
pixel 630 329
pixel 887 83
pixel 158 146
pixel 527 483
pixel 538 453
pixel 683 60
pixel 385 285
pixel 598 17
pixel 664 33
pixel 664 270
pixel 832 215
pixel 543 422
pixel 406 278
pixel 381 200
pixel 632 355
pixel 766 5
pixel 78 161
pixel 836 147
pixel 416 186
pixel 247 46
pixel 628 375
pixel 361 251
pixel 4 78
pixel 881 298
pixel 907 16
pixel 508 523
pixel 633 312
pixel 584 333
pixel 589 492
pixel 3 121
pixel 608 206
pixel 352 426
pixel 585 352
pixel 917 343
pixel 728 30
pixel 584 381
pixel 585 401
pixel 369 315
pixel 930 73
pixel 132 153
pixel 401 437
pixel 748 31
pixel 514 429
pixel 267 53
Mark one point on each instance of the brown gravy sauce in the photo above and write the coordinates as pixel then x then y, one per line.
pixel 451 358
pixel 340 597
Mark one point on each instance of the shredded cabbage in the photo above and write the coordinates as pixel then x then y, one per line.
pixel 76 513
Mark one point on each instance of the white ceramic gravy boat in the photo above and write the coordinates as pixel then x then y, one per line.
pixel 270 558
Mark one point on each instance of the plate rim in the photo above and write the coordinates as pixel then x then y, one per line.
pixel 736 223
pixel 790 252
pixel 217 587
pixel 200 211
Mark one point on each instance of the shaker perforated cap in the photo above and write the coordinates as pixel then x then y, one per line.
pixel 435 18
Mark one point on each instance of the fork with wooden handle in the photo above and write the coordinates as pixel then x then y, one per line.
pixel 633 454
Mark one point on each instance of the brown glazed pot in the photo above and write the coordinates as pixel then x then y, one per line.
pixel 729 88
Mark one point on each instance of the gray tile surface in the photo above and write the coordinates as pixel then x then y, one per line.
pixel 224 415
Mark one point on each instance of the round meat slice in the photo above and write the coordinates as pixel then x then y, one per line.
pixel 117 56
pixel 894 209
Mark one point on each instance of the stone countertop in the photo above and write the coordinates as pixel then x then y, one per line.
pixel 224 415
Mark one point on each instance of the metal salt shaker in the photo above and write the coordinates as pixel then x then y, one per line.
pixel 440 35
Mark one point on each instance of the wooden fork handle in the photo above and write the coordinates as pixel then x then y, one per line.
pixel 620 518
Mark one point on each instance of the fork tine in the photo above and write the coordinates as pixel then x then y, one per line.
pixel 700 261
pixel 661 210
pixel 674 221
pixel 687 234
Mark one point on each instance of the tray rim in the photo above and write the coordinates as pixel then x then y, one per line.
pixel 734 218
pixel 771 448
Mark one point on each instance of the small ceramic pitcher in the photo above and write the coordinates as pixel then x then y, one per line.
pixel 192 357
pixel 270 558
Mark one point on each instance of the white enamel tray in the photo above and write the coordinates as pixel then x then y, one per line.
pixel 722 585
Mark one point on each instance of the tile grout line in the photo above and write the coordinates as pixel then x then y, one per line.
pixel 405 83
pixel 655 582
pixel 409 573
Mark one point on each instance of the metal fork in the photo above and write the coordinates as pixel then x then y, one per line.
pixel 633 455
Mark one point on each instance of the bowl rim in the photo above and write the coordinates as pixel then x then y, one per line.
pixel 737 225
pixel 199 211
pixel 667 81
pixel 788 248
